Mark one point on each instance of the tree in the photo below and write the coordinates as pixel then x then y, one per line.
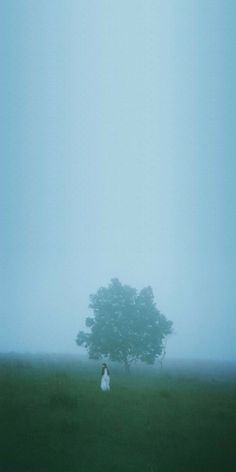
pixel 126 326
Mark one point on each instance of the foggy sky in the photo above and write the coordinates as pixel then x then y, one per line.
pixel 118 160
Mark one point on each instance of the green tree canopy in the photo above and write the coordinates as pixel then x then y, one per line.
pixel 126 326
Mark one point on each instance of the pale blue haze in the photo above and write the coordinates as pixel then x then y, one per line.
pixel 118 159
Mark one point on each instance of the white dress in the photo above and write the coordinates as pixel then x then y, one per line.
pixel 105 381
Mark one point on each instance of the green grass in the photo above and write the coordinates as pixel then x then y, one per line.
pixel 53 417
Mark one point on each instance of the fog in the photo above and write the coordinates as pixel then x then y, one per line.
pixel 118 160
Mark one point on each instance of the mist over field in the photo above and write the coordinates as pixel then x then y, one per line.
pixel 55 417
pixel 118 160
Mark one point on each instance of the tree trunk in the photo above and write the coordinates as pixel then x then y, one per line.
pixel 163 355
pixel 127 366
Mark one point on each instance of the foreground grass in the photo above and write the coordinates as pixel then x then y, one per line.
pixel 54 418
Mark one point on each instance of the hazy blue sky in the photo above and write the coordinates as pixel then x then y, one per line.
pixel 118 160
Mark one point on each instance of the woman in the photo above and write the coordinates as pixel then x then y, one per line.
pixel 105 380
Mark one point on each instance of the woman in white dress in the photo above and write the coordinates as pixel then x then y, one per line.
pixel 105 380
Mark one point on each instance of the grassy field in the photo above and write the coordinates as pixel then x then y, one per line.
pixel 53 417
